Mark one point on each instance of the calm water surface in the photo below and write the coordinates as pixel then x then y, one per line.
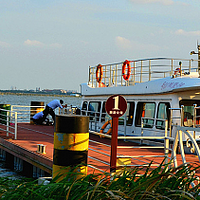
pixel 26 100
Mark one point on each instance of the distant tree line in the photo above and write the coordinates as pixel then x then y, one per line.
pixel 43 92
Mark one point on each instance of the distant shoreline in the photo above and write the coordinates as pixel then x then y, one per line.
pixel 34 94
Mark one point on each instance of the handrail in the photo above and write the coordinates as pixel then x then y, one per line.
pixel 24 112
pixel 9 122
pixel 179 139
pixel 141 71
pixel 163 145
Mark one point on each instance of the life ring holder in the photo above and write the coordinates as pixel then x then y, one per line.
pixel 104 126
pixel 127 75
pixel 99 73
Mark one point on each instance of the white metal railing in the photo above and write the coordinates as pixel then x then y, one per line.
pixel 9 119
pixel 104 161
pixel 163 139
pixel 97 120
pixel 164 144
pixel 8 122
pixel 25 112
pixel 191 143
pixel 140 71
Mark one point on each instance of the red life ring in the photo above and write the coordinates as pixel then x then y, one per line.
pixel 99 73
pixel 127 75
pixel 102 84
pixel 177 71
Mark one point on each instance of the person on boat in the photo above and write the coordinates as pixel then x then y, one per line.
pixel 51 106
pixel 39 119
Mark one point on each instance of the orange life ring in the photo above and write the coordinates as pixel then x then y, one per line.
pixel 127 75
pixel 104 126
pixel 177 71
pixel 102 84
pixel 99 73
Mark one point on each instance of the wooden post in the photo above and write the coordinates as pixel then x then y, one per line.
pixel 114 142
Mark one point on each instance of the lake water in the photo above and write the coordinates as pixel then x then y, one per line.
pixel 26 101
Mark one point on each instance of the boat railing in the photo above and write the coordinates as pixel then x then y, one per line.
pixel 137 71
pixel 99 120
pixel 8 122
pixel 69 110
pixel 191 143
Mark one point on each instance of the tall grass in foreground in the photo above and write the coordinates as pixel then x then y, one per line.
pixel 160 183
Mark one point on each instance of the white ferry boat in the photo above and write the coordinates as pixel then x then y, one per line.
pixel 156 90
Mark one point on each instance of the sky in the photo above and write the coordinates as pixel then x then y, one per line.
pixel 51 43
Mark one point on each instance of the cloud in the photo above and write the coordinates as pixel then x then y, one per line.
pixel 187 33
pixel 131 45
pixel 40 44
pixel 33 43
pixel 125 44
pixel 122 42
pixel 4 44
pixel 164 2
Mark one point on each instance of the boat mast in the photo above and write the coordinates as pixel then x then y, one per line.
pixel 193 52
pixel 198 46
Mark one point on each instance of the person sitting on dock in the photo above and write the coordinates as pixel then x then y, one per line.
pixel 49 109
pixel 39 119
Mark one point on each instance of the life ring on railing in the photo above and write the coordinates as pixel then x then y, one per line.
pixel 177 71
pixel 127 75
pixel 104 126
pixel 99 73
pixel 101 84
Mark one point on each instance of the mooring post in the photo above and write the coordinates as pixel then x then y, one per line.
pixel 71 139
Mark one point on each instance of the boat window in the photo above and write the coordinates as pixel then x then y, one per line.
pixel 146 110
pixel 103 112
pixel 94 110
pixel 162 114
pixel 130 113
pixel 84 107
pixel 189 112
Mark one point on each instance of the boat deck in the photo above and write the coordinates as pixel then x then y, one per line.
pixel 28 136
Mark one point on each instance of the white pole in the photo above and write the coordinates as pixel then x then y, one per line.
pixel 7 122
pixel 166 143
pixel 15 125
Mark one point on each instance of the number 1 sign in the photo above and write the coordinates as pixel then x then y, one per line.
pixel 116 106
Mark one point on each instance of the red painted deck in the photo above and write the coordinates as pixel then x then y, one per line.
pixel 25 147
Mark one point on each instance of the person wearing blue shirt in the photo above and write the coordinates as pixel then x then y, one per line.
pixel 39 118
pixel 49 109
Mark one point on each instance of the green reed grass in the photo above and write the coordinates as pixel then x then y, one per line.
pixel 136 183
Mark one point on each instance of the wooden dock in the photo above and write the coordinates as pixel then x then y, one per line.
pixel 29 136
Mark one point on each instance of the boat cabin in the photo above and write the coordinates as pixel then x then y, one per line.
pixel 156 90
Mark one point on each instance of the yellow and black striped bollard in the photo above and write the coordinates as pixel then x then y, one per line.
pixel 71 139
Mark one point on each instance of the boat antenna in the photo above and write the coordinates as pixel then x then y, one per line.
pixel 193 52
